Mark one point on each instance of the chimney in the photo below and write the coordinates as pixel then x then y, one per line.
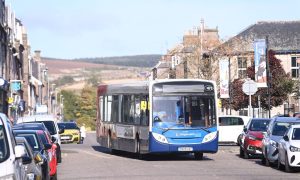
pixel 37 55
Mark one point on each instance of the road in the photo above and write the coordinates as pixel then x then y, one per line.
pixel 89 161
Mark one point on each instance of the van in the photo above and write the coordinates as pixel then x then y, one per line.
pixel 230 127
pixel 50 122
pixel 11 162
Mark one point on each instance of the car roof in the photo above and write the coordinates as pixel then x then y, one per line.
pixel 28 125
pixel 36 118
pixel 287 119
pixel 295 126
pixel 263 119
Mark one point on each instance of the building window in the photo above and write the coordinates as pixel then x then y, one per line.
pixel 295 67
pixel 242 67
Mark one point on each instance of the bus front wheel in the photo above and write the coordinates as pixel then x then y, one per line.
pixel 198 155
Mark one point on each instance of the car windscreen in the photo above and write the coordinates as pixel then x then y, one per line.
pixel 50 126
pixel 280 128
pixel 68 125
pixel 43 138
pixel 296 134
pixel 4 151
pixel 31 139
pixel 259 125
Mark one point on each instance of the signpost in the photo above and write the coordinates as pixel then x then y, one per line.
pixel 250 88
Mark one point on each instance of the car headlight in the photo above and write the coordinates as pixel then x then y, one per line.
pixel 160 138
pixel 294 149
pixel 273 143
pixel 252 137
pixel 209 137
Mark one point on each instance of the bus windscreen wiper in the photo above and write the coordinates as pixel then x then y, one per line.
pixel 171 127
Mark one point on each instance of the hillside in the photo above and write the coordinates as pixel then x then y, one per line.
pixel 70 74
pixel 134 61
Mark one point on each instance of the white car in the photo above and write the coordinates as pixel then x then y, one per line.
pixel 50 122
pixel 230 127
pixel 11 162
pixel 289 149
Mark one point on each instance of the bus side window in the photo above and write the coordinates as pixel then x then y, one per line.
pixel 101 107
pixel 137 110
pixel 115 108
pixel 144 110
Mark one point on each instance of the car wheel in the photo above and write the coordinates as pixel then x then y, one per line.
pixel 267 162
pixel 54 177
pixel 58 154
pixel 279 166
pixel 286 163
pixel 241 152
pixel 198 155
pixel 246 155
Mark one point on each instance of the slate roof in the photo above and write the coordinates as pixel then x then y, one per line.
pixel 283 36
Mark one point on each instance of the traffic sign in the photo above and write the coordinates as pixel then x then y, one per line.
pixel 250 87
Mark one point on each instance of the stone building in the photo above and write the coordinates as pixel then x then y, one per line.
pixel 283 39
pixel 186 59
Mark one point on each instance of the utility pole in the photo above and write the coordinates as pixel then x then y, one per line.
pixel 229 84
pixel 268 75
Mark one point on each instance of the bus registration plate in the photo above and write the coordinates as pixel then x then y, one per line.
pixel 185 149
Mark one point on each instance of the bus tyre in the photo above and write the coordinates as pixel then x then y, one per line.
pixel 109 142
pixel 198 155
pixel 138 149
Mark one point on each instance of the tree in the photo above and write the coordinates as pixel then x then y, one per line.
pixel 281 85
pixel 71 105
pixel 87 104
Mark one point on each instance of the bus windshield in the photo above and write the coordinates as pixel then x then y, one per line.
pixel 192 110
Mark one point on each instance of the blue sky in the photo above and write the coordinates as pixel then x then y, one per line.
pixel 100 28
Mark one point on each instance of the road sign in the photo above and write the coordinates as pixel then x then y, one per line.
pixel 249 87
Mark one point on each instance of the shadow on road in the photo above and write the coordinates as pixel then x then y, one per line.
pixel 150 157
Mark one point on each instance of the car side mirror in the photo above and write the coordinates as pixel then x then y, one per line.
pixel 38 158
pixel 20 151
pixel 26 160
pixel 47 146
pixel 245 129
pixel 53 139
pixel 61 131
pixel 286 138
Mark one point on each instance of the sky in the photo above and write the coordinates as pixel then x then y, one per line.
pixel 102 28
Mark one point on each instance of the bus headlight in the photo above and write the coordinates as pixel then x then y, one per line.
pixel 209 137
pixel 160 138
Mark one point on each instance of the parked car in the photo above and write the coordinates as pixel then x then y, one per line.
pixel 51 124
pixel 230 127
pixel 11 154
pixel 289 149
pixel 37 145
pixel 33 169
pixel 46 139
pixel 251 138
pixel 276 129
pixel 71 132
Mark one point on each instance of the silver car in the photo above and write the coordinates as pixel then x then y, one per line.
pixel 276 129
pixel 33 169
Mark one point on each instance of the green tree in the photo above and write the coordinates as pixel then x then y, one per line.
pixel 87 104
pixel 71 105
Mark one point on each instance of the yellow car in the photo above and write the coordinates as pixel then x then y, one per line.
pixel 71 132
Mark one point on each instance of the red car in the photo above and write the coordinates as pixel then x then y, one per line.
pixel 251 139
pixel 46 139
